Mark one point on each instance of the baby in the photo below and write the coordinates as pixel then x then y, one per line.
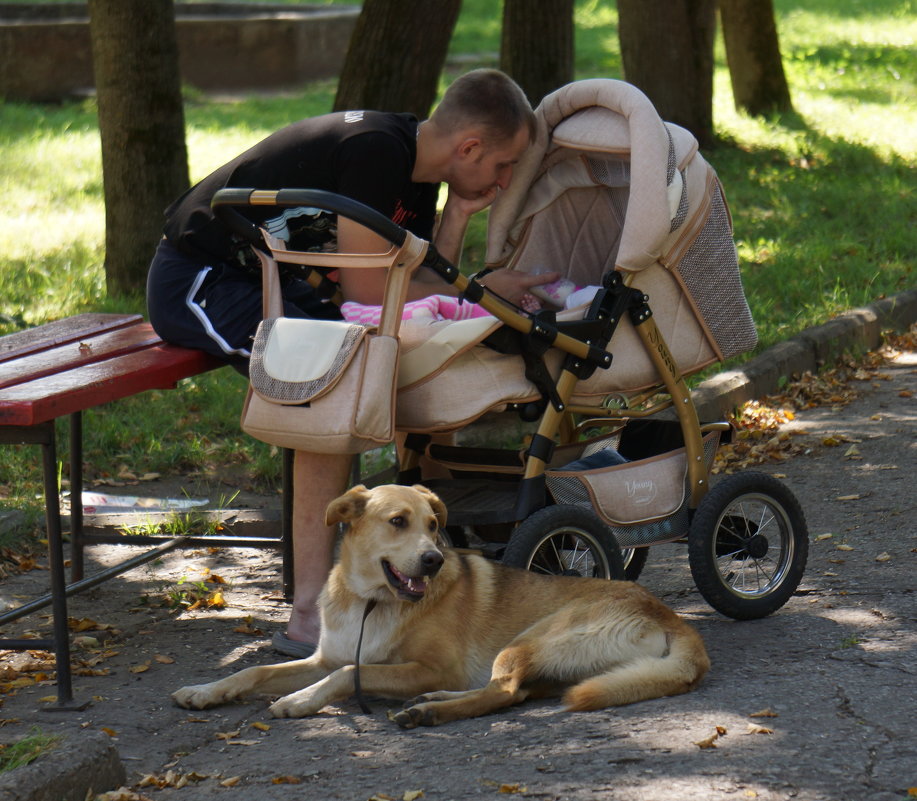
pixel 561 293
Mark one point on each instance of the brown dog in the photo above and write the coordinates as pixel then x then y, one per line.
pixel 465 634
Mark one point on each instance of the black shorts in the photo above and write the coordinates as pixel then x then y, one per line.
pixel 216 308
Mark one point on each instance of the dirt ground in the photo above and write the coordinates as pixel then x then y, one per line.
pixel 832 673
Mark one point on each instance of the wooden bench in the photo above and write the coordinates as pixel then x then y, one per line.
pixel 61 369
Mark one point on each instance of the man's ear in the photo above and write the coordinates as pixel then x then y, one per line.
pixel 348 507
pixel 469 147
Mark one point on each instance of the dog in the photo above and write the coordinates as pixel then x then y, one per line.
pixel 463 635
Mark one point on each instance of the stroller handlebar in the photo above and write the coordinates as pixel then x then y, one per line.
pixel 225 204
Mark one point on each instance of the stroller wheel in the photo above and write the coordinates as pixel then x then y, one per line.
pixel 747 545
pixel 565 541
pixel 634 561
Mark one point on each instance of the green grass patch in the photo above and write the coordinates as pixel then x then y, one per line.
pixel 822 201
pixel 26 750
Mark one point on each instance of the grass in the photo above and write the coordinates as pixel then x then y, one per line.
pixel 822 201
pixel 25 750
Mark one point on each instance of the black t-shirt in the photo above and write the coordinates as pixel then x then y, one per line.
pixel 364 155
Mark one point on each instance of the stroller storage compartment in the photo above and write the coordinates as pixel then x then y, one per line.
pixel 644 501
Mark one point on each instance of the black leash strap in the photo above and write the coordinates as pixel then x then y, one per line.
pixel 370 605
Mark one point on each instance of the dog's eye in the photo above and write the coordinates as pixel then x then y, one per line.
pixel 432 526
pixel 397 522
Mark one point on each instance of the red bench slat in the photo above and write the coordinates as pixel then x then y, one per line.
pixel 53 396
pixel 59 332
pixel 81 351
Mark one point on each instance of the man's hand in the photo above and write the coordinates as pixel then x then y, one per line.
pixel 513 285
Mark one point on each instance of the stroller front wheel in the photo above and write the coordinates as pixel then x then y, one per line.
pixel 565 541
pixel 747 545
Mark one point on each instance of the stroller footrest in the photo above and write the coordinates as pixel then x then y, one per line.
pixel 477 503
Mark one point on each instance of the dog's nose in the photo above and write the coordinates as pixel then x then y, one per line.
pixel 432 561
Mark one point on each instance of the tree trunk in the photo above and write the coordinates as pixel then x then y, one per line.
pixel 396 55
pixel 667 51
pixel 141 122
pixel 536 47
pixel 753 52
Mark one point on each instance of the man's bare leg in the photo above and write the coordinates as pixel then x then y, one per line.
pixel 318 478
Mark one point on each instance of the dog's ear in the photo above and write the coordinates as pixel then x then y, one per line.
pixel 348 507
pixel 438 507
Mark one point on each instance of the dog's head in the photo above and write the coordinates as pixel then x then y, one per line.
pixel 392 541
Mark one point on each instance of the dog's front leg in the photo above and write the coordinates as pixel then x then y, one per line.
pixel 401 681
pixel 268 679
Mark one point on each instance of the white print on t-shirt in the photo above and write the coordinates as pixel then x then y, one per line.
pixel 353 116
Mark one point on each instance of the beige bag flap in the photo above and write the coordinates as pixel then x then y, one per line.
pixel 295 360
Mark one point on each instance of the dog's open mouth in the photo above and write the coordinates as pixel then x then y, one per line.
pixel 411 589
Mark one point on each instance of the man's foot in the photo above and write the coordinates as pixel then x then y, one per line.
pixel 284 645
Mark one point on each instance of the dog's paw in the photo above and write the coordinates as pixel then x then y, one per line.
pixel 415 715
pixel 295 705
pixel 198 696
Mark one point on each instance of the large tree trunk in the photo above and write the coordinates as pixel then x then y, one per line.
pixel 753 52
pixel 396 55
pixel 536 48
pixel 141 121
pixel 667 51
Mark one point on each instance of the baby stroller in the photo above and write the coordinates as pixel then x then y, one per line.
pixel 613 458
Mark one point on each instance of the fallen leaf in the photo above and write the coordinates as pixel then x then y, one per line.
pixel 244 742
pixel 231 782
pixel 843 547
pixel 48 699
pixel 852 451
pixel 286 780
pixel 510 789
pixel 109 732
pixel 164 660
pixel 884 557
pixel 764 713
pixel 849 497
pixel 228 735
pixel 755 729
pixel 708 742
pixel 821 537
pixel 412 795
pixel 261 726
pixel 140 668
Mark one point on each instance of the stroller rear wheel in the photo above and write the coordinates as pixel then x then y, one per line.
pixel 634 561
pixel 748 545
pixel 565 541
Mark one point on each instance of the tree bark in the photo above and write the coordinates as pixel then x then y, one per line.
pixel 753 53
pixel 396 54
pixel 667 51
pixel 536 47
pixel 141 122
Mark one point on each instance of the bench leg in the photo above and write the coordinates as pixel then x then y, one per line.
pixel 56 569
pixel 76 496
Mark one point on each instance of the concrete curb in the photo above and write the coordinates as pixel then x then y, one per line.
pixel 857 330
pixel 81 765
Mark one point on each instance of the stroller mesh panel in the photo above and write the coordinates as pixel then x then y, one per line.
pixel 708 270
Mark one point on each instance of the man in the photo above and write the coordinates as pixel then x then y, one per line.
pixel 203 293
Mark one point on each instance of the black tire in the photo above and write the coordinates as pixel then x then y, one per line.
pixel 634 562
pixel 748 545
pixel 565 540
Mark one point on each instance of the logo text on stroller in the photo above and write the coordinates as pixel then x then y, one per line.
pixel 641 492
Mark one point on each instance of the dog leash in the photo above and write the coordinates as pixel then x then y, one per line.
pixel 358 691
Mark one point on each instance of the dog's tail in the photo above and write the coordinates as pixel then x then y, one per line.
pixel 677 671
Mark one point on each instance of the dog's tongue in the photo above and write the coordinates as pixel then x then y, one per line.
pixel 417 586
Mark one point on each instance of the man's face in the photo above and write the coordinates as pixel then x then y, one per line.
pixel 479 169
